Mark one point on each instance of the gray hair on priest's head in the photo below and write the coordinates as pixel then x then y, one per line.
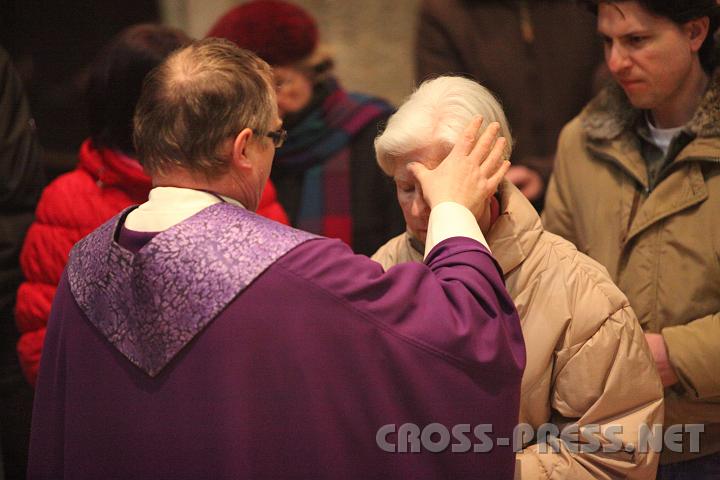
pixel 197 100
pixel 437 112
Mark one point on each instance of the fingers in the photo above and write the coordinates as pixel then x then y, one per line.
pixel 495 165
pixel 485 143
pixel 498 176
pixel 466 142
pixel 418 170
pixel 494 160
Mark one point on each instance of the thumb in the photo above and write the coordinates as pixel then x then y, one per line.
pixel 418 170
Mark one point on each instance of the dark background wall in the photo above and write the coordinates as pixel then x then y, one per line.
pixel 51 44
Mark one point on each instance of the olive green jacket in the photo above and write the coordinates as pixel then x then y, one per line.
pixel 661 245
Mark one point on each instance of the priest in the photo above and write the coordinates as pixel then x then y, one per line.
pixel 190 338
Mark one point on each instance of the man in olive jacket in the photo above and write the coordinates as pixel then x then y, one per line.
pixel 637 187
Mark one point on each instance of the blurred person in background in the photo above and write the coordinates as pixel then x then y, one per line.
pixel 21 181
pixel 107 178
pixel 325 174
pixel 636 186
pixel 583 342
pixel 540 57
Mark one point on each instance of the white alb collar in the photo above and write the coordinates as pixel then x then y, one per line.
pixel 168 206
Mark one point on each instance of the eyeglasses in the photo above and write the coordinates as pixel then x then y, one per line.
pixel 277 136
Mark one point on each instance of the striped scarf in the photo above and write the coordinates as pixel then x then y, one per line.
pixel 318 149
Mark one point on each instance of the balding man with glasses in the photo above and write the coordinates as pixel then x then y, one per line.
pixel 191 338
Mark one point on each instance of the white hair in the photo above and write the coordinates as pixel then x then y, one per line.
pixel 438 111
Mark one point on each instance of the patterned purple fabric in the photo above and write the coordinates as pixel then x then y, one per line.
pixel 149 305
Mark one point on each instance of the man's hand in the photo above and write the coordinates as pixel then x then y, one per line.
pixel 470 174
pixel 662 362
pixel 527 180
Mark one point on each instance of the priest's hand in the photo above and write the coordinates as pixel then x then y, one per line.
pixel 470 174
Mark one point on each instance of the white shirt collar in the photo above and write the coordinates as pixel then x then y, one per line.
pixel 662 136
pixel 168 206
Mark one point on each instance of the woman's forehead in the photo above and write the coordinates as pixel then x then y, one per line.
pixel 430 156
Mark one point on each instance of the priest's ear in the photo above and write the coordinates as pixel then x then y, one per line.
pixel 240 153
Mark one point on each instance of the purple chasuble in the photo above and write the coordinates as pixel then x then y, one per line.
pixel 229 346
pixel 151 303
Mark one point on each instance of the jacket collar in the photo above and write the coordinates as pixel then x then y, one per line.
pixel 111 168
pixel 516 230
pixel 609 122
pixel 610 113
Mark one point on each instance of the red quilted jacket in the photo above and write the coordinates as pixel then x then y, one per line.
pixel 104 183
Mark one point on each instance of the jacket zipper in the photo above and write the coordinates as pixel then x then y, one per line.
pixel 633 211
pixel 623 238
pixel 636 191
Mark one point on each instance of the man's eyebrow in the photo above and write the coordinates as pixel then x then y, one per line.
pixel 631 33
pixel 635 33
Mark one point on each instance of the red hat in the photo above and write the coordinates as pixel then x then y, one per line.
pixel 277 31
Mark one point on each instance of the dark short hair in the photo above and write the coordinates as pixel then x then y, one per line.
pixel 116 78
pixel 200 97
pixel 680 12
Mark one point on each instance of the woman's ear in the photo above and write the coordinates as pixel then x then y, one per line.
pixel 240 156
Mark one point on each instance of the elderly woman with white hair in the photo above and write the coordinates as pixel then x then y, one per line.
pixel 588 365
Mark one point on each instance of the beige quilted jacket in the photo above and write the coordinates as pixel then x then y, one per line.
pixel 587 359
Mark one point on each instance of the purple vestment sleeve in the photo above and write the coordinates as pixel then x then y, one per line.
pixel 455 305
pixel 295 377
